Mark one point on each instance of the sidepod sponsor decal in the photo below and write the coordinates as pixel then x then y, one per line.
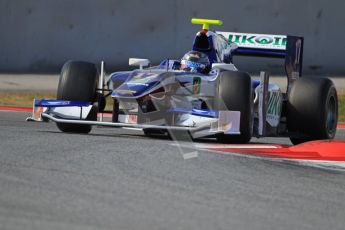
pixel 196 85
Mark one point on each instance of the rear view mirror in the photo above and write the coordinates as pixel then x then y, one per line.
pixel 138 62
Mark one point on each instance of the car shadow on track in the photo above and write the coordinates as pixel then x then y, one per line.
pixel 113 135
pixel 163 137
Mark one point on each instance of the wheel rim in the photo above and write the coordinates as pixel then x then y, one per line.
pixel 331 117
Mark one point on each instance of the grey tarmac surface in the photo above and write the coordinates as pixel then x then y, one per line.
pixel 120 179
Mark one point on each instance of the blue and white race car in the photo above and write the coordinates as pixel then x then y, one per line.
pixel 202 95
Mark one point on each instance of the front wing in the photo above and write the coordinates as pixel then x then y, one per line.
pixel 199 123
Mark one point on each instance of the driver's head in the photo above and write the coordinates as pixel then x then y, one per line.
pixel 195 61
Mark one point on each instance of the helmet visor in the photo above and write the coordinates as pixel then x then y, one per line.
pixel 192 66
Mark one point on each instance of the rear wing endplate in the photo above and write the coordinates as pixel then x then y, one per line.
pixel 286 47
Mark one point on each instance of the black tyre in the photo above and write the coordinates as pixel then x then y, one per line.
pixel 116 109
pixel 312 110
pixel 78 81
pixel 235 93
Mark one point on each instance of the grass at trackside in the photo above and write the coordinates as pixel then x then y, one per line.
pixel 24 99
pixel 341 104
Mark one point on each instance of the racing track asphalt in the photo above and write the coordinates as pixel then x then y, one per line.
pixel 120 179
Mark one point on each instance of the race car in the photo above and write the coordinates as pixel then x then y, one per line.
pixel 201 95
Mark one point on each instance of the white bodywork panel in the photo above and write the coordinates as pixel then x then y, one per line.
pixel 224 66
pixel 256 41
pixel 138 62
pixel 73 112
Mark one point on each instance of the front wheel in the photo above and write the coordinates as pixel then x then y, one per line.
pixel 234 92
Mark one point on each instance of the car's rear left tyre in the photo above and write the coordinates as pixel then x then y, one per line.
pixel 78 81
pixel 234 92
pixel 312 109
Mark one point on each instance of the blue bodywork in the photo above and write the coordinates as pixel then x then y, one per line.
pixel 197 112
pixel 147 82
pixel 59 103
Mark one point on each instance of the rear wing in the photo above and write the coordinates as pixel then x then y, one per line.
pixel 286 47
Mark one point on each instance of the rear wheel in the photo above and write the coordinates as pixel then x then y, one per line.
pixel 78 81
pixel 312 109
pixel 235 93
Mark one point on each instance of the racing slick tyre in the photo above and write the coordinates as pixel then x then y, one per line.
pixel 234 92
pixel 312 110
pixel 116 109
pixel 78 81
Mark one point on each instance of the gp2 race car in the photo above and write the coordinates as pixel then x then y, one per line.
pixel 224 103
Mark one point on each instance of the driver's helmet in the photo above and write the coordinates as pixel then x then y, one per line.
pixel 195 61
